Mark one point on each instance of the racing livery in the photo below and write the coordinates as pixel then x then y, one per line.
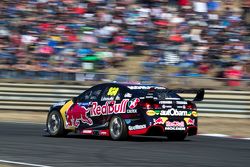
pixel 121 110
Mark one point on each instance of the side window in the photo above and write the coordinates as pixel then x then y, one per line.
pixel 90 95
pixel 84 96
pixel 95 94
pixel 111 93
pixel 118 96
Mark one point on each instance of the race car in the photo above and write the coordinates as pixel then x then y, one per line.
pixel 121 110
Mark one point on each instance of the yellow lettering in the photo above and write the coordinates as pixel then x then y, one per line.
pixel 112 91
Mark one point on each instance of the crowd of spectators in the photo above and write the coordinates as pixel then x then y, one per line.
pixel 196 36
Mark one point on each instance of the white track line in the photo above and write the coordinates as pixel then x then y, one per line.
pixel 23 163
pixel 22 122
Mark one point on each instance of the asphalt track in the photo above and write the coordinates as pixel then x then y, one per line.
pixel 27 143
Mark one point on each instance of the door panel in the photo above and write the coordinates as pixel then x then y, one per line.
pixel 78 115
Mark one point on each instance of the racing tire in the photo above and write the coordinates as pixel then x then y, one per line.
pixel 54 124
pixel 118 128
pixel 176 136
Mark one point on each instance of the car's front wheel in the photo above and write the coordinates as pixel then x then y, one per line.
pixel 117 128
pixel 55 125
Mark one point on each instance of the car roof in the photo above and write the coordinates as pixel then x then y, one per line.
pixel 127 84
pixel 131 85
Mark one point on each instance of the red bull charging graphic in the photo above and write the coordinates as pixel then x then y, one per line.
pixel 76 114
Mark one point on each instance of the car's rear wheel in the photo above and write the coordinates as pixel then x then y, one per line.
pixel 55 125
pixel 118 129
pixel 176 136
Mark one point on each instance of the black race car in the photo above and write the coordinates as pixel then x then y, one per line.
pixel 122 110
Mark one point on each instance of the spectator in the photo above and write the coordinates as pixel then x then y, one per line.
pixel 57 35
pixel 204 68
pixel 233 74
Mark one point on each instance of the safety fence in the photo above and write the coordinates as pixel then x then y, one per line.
pixel 39 97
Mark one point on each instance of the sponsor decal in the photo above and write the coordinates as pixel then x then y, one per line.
pixel 59 104
pixel 160 120
pixel 77 114
pixel 108 109
pixel 83 104
pixel 150 112
pixel 128 121
pixel 194 113
pixel 149 97
pixel 145 87
pixel 107 98
pixel 112 91
pixel 189 121
pixel 132 111
pixel 181 102
pixel 172 98
pixel 176 125
pixel 103 133
pixel 157 112
pixel 87 131
pixel 138 87
pixel 174 128
pixel 165 102
pixel 133 103
pixel 166 106
pixel 136 127
pixel 117 98
pixel 173 112
pixel 128 95
pixel 189 113
pixel 159 87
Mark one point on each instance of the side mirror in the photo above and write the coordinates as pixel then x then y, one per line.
pixel 200 95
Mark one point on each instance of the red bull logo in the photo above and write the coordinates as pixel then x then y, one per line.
pixel 133 103
pixel 76 114
pixel 175 123
pixel 160 120
pixel 189 121
pixel 109 108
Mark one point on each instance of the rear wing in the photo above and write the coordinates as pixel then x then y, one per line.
pixel 199 93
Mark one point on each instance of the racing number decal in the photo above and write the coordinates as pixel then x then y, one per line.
pixel 113 91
